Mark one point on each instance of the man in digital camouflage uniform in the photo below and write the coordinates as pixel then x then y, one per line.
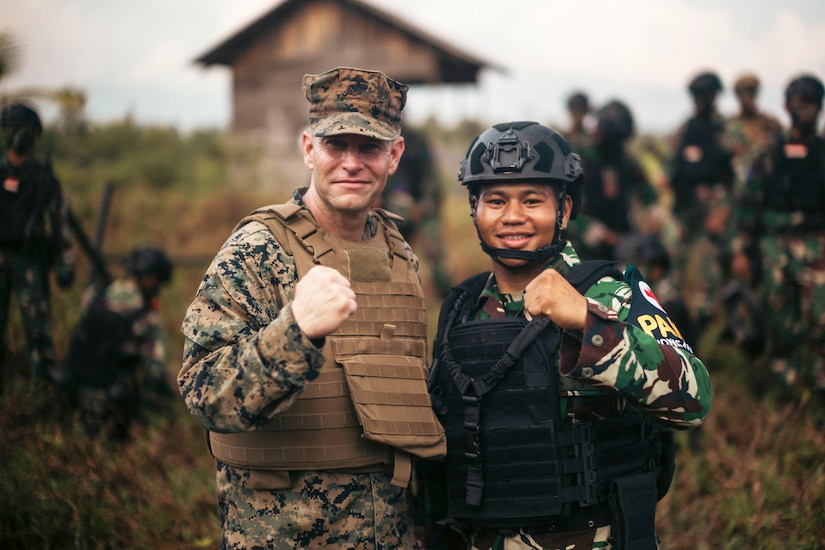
pixel 34 236
pixel 305 352
pixel 114 372
pixel 556 380
pixel 782 216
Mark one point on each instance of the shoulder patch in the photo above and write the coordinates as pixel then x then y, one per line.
pixel 648 314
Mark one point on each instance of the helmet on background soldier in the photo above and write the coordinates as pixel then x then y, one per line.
pixel 615 121
pixel 706 83
pixel 806 86
pixel 147 259
pixel 524 152
pixel 21 127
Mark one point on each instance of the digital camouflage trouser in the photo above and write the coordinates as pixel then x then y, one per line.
pixel 321 510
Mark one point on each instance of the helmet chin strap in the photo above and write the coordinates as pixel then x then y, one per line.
pixel 538 256
pixel 541 255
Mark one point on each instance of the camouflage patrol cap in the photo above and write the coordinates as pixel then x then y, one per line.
pixel 355 101
pixel 748 82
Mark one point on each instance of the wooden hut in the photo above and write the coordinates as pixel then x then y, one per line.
pixel 270 55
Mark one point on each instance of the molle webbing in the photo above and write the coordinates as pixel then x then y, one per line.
pixel 352 416
pixel 291 441
pixel 797 184
pixel 513 461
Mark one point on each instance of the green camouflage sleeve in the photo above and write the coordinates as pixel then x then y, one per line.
pixel 748 212
pixel 666 381
pixel 149 332
pixel 245 358
pixel 148 339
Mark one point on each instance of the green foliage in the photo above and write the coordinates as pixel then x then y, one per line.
pixel 153 158
pixel 751 477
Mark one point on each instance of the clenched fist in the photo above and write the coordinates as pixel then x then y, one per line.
pixel 324 299
pixel 550 295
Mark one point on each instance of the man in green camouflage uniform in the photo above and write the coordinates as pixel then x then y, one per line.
pixel 782 217
pixel 749 132
pixel 702 179
pixel 578 135
pixel 301 306
pixel 34 236
pixel 588 350
pixel 114 371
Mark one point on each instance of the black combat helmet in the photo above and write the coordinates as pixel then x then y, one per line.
pixel 524 152
pixel 706 83
pixel 19 114
pixel 615 121
pixel 578 102
pixel 147 259
pixel 21 126
pixel 807 86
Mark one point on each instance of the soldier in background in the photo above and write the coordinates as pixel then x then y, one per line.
pixel 782 216
pixel 702 178
pixel 114 372
pixel 749 132
pixel 305 350
pixel 414 193
pixel 617 198
pixel 578 135
pixel 34 236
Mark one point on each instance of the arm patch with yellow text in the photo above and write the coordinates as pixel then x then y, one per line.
pixel 648 314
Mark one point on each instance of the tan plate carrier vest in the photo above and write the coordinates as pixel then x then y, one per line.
pixel 369 404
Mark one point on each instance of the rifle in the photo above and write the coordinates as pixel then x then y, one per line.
pixel 102 216
pixel 92 251
pixel 98 263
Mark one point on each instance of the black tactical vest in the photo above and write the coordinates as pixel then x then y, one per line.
pixel 97 353
pixel 512 460
pixel 24 195
pixel 700 159
pixel 797 183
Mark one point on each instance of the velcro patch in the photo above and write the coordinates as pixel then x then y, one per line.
pixel 648 314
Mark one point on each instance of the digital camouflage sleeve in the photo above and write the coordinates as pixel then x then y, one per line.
pixel 245 359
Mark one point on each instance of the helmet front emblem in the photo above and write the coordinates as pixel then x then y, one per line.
pixel 508 154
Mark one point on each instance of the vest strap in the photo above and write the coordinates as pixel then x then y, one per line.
pixel 402 469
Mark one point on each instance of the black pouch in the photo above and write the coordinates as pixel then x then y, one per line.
pixel 633 508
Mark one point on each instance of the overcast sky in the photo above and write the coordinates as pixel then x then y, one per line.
pixel 136 57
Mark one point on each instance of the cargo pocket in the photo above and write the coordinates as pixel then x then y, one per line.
pixel 391 400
